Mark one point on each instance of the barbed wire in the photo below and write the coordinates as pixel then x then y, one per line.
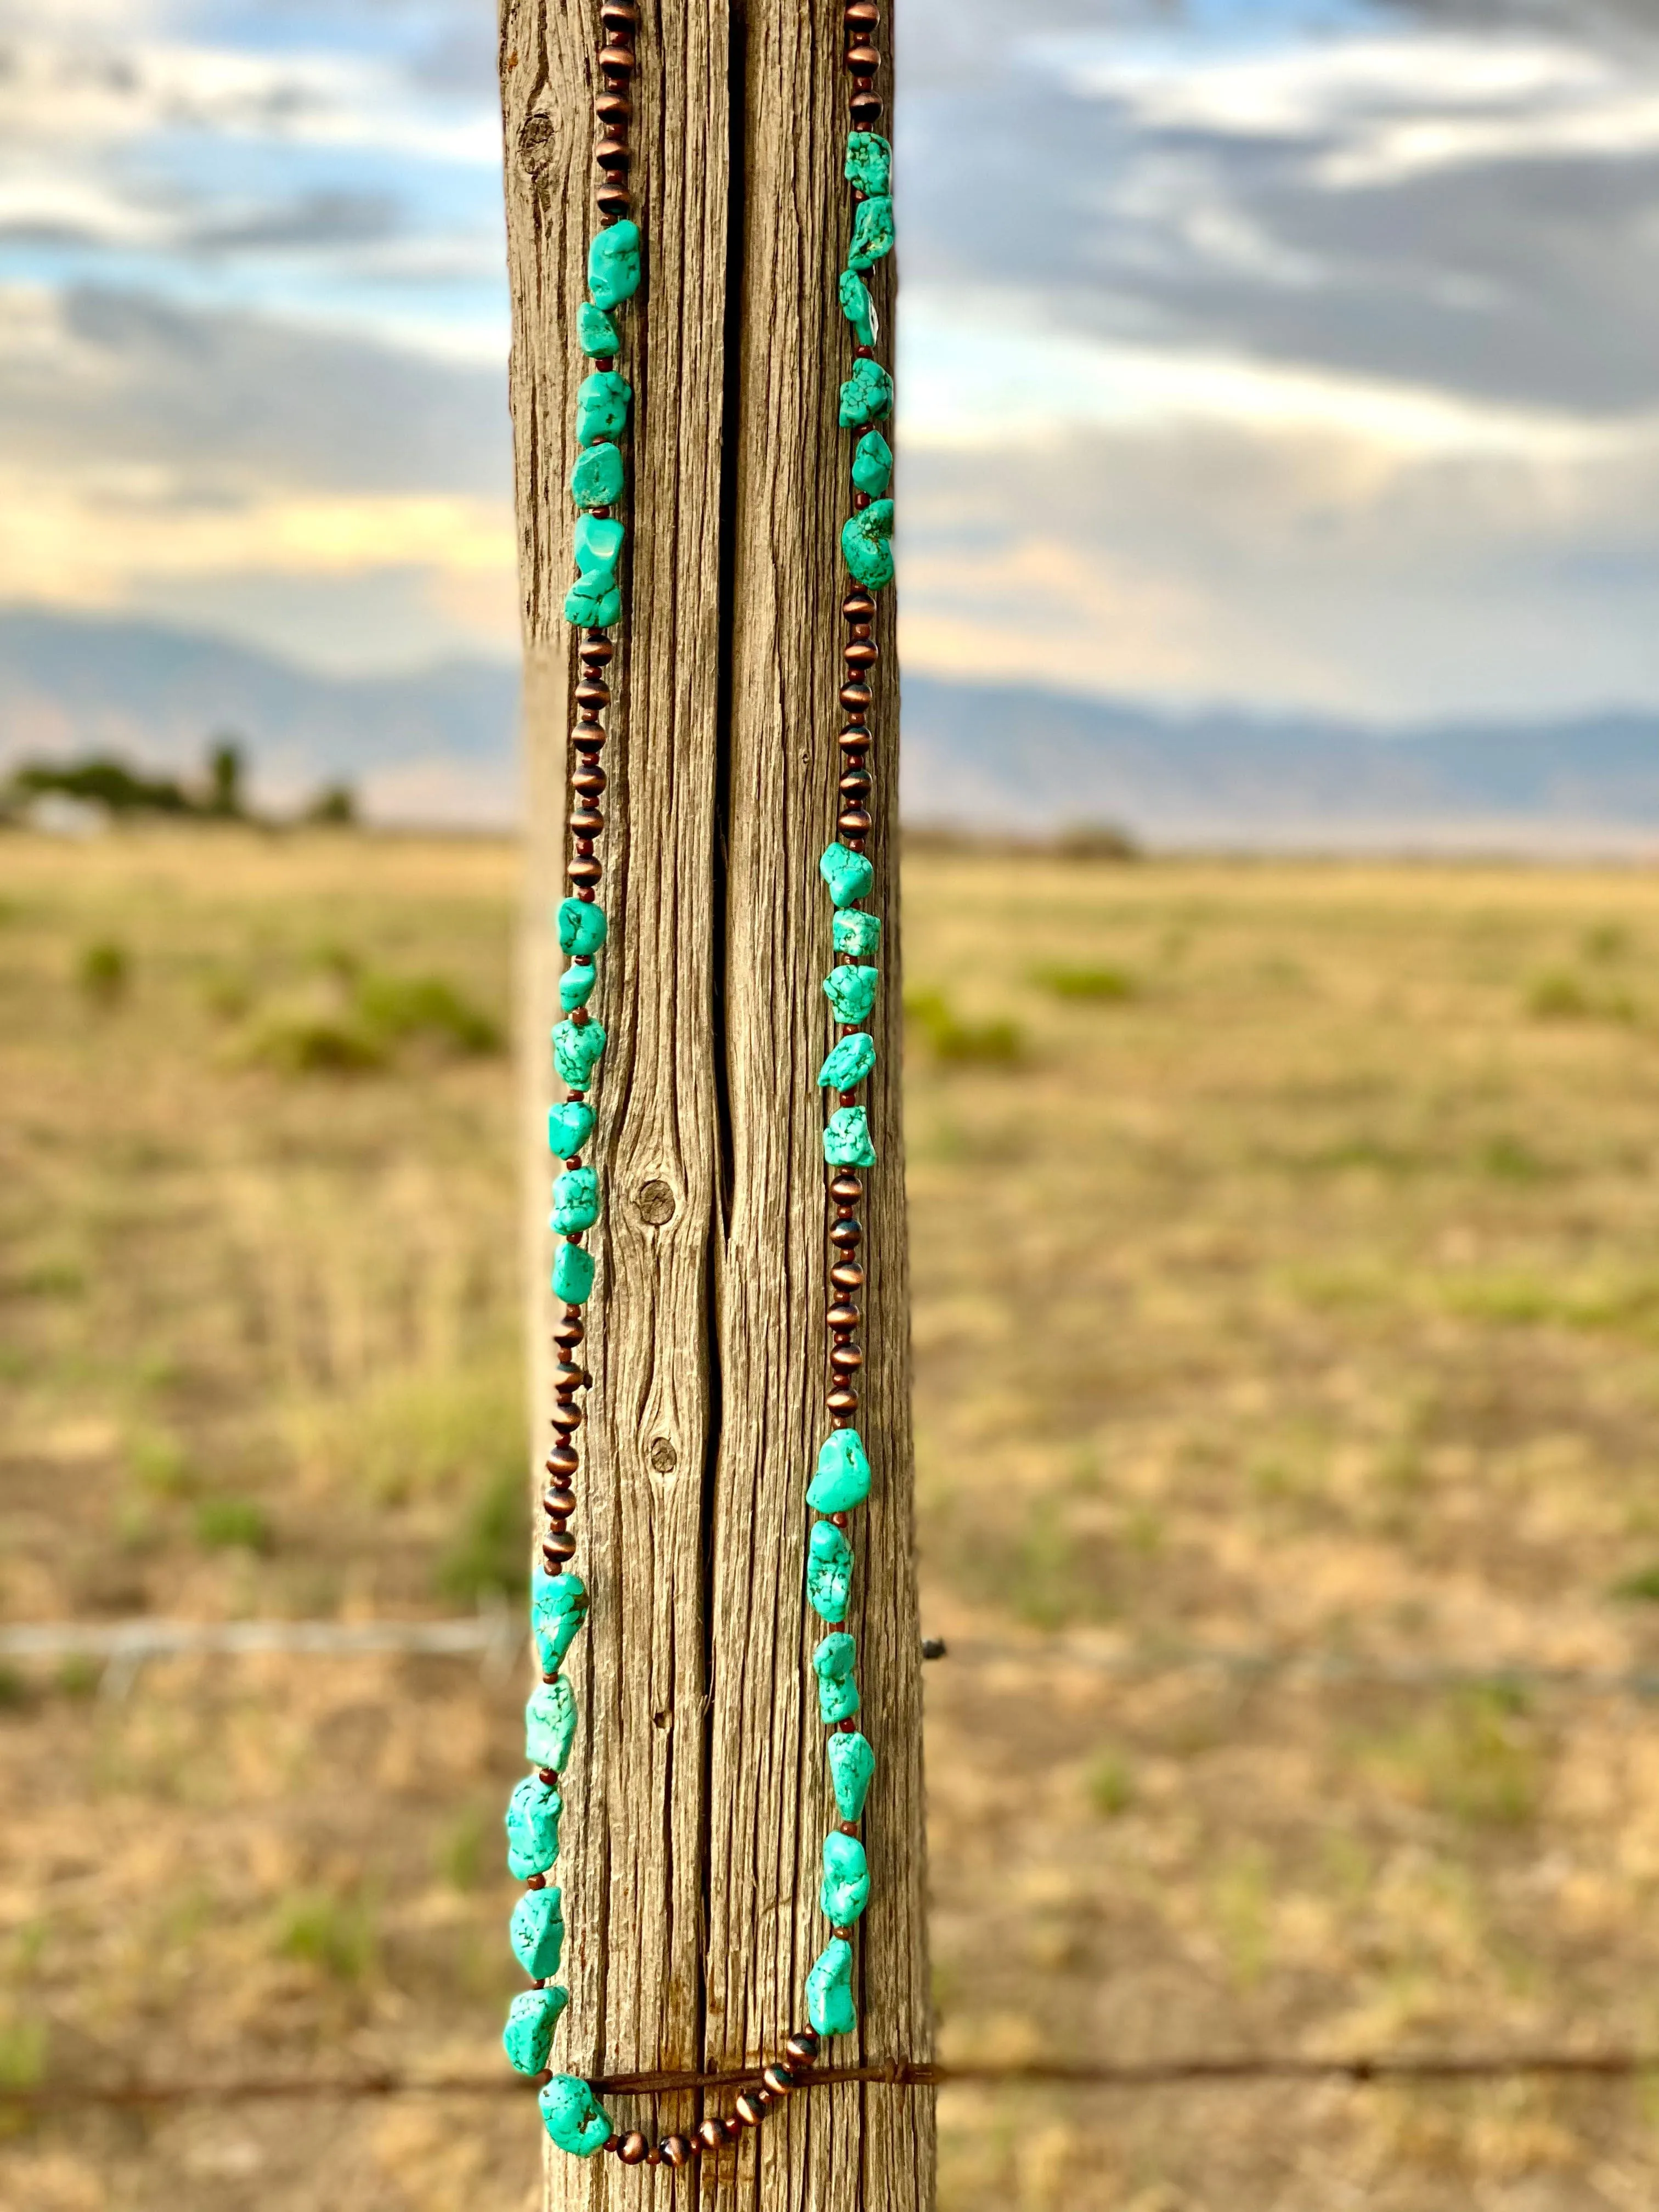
pixel 497 1637
pixel 1242 2068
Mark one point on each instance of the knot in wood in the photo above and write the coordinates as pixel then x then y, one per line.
pixel 656 1203
pixel 538 135
pixel 663 1456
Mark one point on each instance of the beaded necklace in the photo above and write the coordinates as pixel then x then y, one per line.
pixel 573 2114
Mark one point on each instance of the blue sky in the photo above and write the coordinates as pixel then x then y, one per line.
pixel 1298 352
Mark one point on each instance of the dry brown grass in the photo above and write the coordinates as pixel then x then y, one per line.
pixel 1324 1200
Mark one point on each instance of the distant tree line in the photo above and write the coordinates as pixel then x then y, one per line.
pixel 124 792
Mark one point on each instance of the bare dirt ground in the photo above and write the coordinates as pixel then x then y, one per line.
pixel 1286 1281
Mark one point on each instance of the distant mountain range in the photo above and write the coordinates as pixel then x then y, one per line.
pixel 438 747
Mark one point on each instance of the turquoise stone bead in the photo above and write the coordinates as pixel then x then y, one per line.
pixel 847 1140
pixel 549 1722
pixel 537 1932
pixel 583 925
pixel 830 1991
pixel 857 934
pixel 531 2020
pixel 872 463
pixel 849 874
pixel 532 1827
pixel 828 1571
pixel 858 307
pixel 838 1693
pixel 573 2116
pixel 558 1607
pixel 869 163
pixel 866 396
pixel 602 406
pixel 845 1889
pixel 872 232
pixel 852 992
pixel 597 479
pixel 568 1128
pixel 865 546
pixel 596 333
pixel 613 263
pixel 849 1062
pixel 852 1770
pixel 842 1477
pixel 575 1202
pixel 576 986
pixel 573 1275
pixel 594 601
pixel 576 1050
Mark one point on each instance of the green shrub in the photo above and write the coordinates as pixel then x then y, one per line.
pixel 1111 1785
pixel 230 1524
pixel 313 1040
pixel 103 970
pixel 995 1044
pixel 491 1551
pixel 1106 984
pixel 1641 1587
pixel 397 1007
pixel 336 1934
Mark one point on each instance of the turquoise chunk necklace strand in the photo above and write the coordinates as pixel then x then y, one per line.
pixel 575 2118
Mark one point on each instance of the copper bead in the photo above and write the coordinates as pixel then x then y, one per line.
pixel 633 2148
pixel 711 2133
pixel 803 2047
pixel 752 2106
pixel 677 2151
pixel 778 2079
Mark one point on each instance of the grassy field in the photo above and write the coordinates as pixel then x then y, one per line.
pixel 1324 1200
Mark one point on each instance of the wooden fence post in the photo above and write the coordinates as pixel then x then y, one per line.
pixel 697 1797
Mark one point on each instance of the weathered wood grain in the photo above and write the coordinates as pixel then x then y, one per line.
pixel 698 1797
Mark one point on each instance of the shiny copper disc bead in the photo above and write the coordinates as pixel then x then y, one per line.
pixel 846 1359
pixel 619 14
pixel 848 1276
pixel 616 60
pixel 677 2151
pixel 566 1417
pixel 802 2048
pixel 597 647
pixel 584 871
pixel 558 1545
pixel 559 1502
pixel 846 1188
pixel 586 822
pixel 863 60
pixel 843 1407
pixel 778 2079
pixel 843 1314
pixel 856 697
pixel 612 199
pixel 632 2148
pixel 614 110
pixel 859 606
pixel 592 695
pixel 854 824
pixel 569 1333
pixel 854 783
pixel 753 2106
pixel 569 1378
pixel 865 109
pixel 588 782
pixel 611 155
pixel 862 16
pixel 860 653
pixel 561 1460
pixel 846 1236
pixel 711 2133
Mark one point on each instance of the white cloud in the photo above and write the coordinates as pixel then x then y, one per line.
pixel 999 376
pixel 1379 110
